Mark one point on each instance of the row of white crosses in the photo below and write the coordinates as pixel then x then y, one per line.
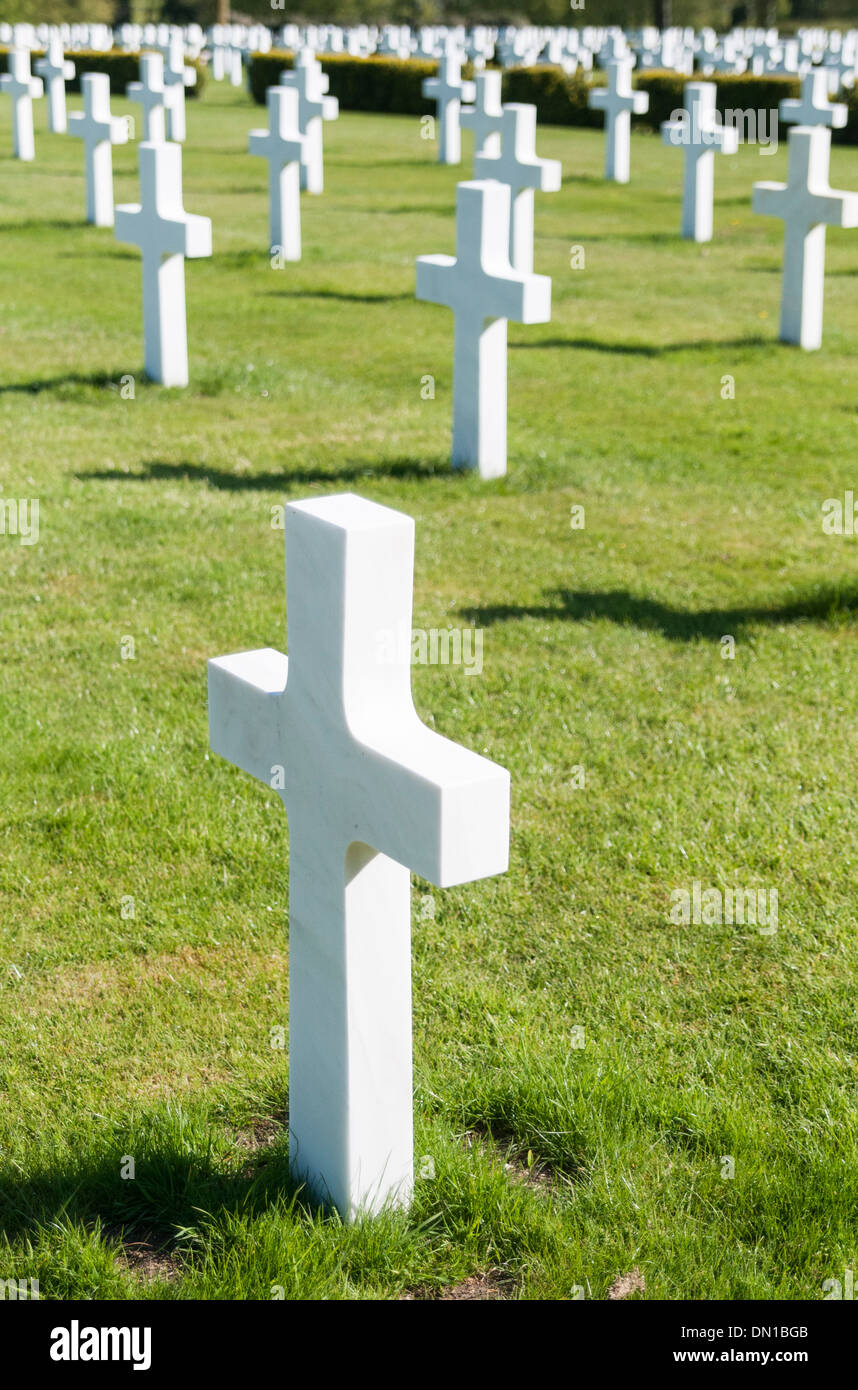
pixel 490 280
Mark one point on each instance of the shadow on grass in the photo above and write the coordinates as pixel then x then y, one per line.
pixel 102 380
pixel 647 349
pixel 174 1182
pixel 677 624
pixel 341 295
pixel 350 472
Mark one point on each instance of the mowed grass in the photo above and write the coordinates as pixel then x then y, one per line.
pixel 557 1166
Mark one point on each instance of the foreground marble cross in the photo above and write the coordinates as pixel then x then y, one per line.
pixel 22 88
pixel 99 132
pixel 484 291
pixel 370 793
pixel 807 205
pixel 449 90
pixel 519 168
pixel 485 117
pixel 618 102
pixel 314 107
pixel 166 234
pixel 283 146
pixel 55 71
pixel 150 95
pixel 813 106
pixel 701 135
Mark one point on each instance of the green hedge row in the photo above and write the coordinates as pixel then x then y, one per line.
pixel 121 68
pixel 390 84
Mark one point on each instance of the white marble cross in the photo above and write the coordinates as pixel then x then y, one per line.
pixel 807 205
pixel 282 145
pixel 517 166
pixel 22 88
pixel 484 118
pixel 701 135
pixel 166 234
pixel 484 291
pixel 55 72
pixel 149 95
pixel 618 102
pixel 99 132
pixel 813 107
pixel 176 78
pixel 314 107
pixel 449 90
pixel 370 793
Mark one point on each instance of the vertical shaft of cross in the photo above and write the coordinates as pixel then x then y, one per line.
pixel 165 326
pixel 803 279
pixel 350 1101
pixel 480 395
pixel 284 229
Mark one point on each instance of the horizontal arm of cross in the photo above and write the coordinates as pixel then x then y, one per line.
pixel 245 702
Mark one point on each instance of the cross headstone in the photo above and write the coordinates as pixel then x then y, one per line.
pixel 22 88
pixel 55 72
pixel 166 234
pixel 813 106
pixel 807 205
pixel 282 145
pixel 449 90
pixel 370 793
pixel 149 95
pixel 99 132
pixel 517 166
pixel 176 78
pixel 618 102
pixel 484 118
pixel 314 107
pixel 484 291
pixel 701 135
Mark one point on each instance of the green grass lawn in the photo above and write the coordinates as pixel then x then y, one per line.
pixel 557 1166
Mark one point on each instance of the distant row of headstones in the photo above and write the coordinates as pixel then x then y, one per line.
pixel 491 279
pixel 684 50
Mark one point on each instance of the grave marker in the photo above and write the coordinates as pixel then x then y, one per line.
pixel 807 205
pixel 485 117
pixel 149 95
pixel 55 72
pixel 314 107
pixel 166 234
pixel 701 135
pixel 283 146
pixel 618 102
pixel 484 291
pixel 22 88
pixel 370 793
pixel 448 90
pixel 99 132
pixel 519 168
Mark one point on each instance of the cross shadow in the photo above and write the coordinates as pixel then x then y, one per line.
pixel 104 380
pixel 54 224
pixel 342 296
pixel 645 349
pixel 679 625
pixel 174 1181
pixel 350 472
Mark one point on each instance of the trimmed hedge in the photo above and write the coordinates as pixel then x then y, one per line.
pixel 392 84
pixel 120 67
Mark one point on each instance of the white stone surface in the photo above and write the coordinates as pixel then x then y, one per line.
pixel 448 90
pixel 484 119
pixel 55 71
pixel 370 792
pixel 99 132
pixel 619 103
pixel 149 95
pixel 314 107
pixel 177 78
pixel 701 135
pixel 518 166
pixel 283 146
pixel 165 234
pixel 807 205
pixel 22 88
pixel 813 106
pixel 483 289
